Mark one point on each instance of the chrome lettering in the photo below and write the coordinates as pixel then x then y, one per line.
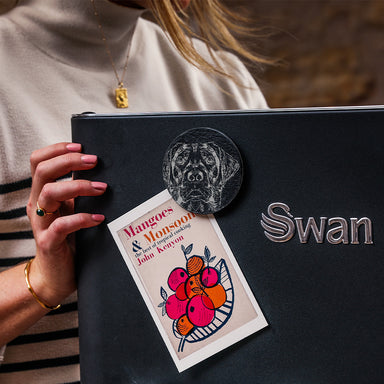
pixel 310 227
pixel 278 228
pixel 342 228
pixel 281 228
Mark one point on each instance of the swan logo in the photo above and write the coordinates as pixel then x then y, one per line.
pixel 282 227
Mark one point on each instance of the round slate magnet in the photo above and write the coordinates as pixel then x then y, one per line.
pixel 202 170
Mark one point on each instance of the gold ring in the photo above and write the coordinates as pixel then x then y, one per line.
pixel 41 211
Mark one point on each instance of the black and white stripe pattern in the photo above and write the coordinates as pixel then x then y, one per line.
pixel 16 237
pixel 52 343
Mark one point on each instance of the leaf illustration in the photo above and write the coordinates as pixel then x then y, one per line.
pixel 163 311
pixel 212 258
pixel 163 294
pixel 207 253
pixel 189 249
pixel 161 304
pixel 183 248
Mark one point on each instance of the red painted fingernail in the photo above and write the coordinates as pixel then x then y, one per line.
pixel 98 217
pixel 99 185
pixel 89 159
pixel 74 147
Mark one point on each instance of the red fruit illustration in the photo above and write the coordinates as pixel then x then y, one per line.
pixel 175 307
pixel 200 310
pixel 180 292
pixel 176 277
pixel 209 277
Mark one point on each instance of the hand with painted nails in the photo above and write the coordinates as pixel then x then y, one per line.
pixel 50 211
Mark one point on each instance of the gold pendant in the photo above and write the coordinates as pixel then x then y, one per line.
pixel 121 97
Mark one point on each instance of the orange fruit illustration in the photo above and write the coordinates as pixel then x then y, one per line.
pixel 184 326
pixel 193 286
pixel 194 265
pixel 217 295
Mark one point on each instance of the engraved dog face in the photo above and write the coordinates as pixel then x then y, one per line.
pixel 196 174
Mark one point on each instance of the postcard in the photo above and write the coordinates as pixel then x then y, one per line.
pixel 188 277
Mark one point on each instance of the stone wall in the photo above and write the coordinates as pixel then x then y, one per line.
pixel 332 51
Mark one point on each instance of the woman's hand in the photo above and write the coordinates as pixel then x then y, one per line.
pixel 52 272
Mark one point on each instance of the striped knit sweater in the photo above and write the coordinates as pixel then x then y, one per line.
pixel 53 64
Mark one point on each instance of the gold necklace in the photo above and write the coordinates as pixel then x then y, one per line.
pixel 121 93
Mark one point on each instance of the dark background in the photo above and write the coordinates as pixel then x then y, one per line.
pixel 333 50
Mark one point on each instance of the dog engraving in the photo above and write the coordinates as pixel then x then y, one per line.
pixel 196 174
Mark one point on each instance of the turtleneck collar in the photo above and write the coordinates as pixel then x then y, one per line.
pixel 68 30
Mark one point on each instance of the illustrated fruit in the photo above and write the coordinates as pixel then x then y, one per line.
pixel 180 292
pixel 184 326
pixel 194 265
pixel 209 277
pixel 176 277
pixel 199 292
pixel 175 307
pixel 193 286
pixel 200 310
pixel 217 295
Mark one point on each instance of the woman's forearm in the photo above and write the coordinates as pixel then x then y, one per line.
pixel 18 308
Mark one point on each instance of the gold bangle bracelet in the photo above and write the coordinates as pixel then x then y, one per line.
pixel 45 306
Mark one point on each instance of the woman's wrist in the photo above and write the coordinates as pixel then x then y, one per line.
pixel 38 285
pixel 41 302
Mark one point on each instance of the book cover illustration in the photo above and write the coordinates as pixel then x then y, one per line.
pixel 203 299
pixel 188 278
